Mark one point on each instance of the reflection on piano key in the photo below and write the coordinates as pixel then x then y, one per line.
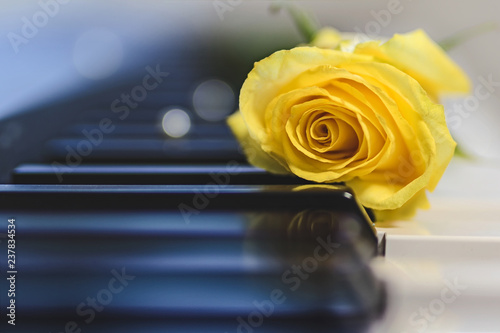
pixel 311 246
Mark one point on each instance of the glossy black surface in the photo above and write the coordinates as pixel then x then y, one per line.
pixel 272 257
pixel 233 173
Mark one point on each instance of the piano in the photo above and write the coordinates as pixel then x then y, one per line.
pixel 129 207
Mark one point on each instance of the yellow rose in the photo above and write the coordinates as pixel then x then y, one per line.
pixel 332 116
pixel 414 53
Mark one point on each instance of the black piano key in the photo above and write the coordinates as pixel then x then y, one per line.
pixel 143 150
pixel 232 241
pixel 193 296
pixel 167 255
pixel 232 173
pixel 227 220
pixel 171 197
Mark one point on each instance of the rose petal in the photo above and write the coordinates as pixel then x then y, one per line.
pixel 419 56
pixel 255 155
pixel 270 75
pixel 406 211
pixel 429 141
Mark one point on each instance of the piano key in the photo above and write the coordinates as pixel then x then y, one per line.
pixel 170 197
pixel 170 220
pixel 168 255
pixel 192 296
pixel 232 173
pixel 232 241
pixel 140 150
pixel 189 211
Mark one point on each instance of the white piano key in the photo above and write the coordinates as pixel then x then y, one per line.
pixel 427 295
pixel 442 248
pixel 442 268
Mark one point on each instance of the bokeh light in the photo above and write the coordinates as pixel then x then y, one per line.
pixel 213 100
pixel 176 123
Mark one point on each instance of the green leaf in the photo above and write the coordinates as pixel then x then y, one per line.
pixel 461 153
pixel 304 21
